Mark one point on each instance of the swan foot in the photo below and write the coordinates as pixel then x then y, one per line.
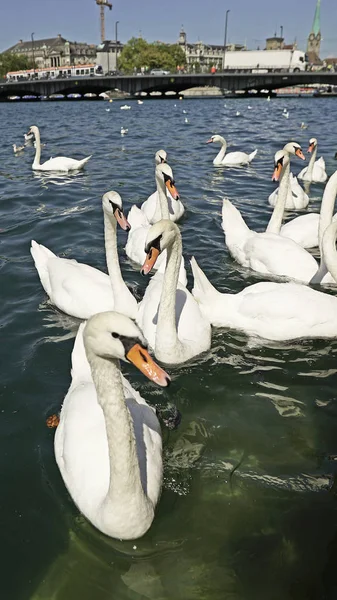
pixel 53 421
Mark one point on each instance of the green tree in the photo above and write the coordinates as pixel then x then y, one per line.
pixel 13 62
pixel 138 53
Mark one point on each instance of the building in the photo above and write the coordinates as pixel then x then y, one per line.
pixel 314 39
pixel 55 52
pixel 201 57
pixel 108 53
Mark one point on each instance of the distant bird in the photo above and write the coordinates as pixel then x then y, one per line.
pixel 175 106
pixel 184 112
pixel 303 125
pixel 125 107
pixel 124 131
pixel 238 114
pixel 268 98
pixel 225 105
pixel 42 145
pixel 18 148
pixel 28 137
pixel 140 101
pixel 107 109
pixel 186 120
pixel 249 107
pixel 285 114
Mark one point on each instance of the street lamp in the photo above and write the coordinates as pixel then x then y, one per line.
pixel 32 36
pixel 116 38
pixel 225 40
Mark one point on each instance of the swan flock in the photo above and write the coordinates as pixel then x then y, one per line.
pixel 108 441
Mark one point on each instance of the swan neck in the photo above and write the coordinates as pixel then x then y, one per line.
pixel 312 162
pixel 275 223
pixel 125 480
pixel 162 211
pixel 118 285
pixel 327 207
pixel 166 334
pixel 221 155
pixel 37 157
pixel 329 250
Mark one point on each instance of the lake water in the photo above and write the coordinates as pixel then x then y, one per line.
pixel 248 509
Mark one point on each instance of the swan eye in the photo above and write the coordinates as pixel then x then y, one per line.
pixel 115 207
pixel 115 335
pixel 154 244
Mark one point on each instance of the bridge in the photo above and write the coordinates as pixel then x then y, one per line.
pixel 134 85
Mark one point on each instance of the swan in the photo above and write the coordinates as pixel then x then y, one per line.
pixel 80 290
pixel 286 114
pixel 124 131
pixel 296 198
pixel 108 443
pixel 273 311
pixel 125 107
pixel 17 149
pixel 140 225
pixel 232 159
pixel 268 252
pixel 305 228
pixel 151 206
pixel 168 315
pixel 315 171
pixel 60 163
pixel 140 101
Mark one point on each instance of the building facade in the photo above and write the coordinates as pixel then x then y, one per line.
pixel 55 52
pixel 108 53
pixel 202 57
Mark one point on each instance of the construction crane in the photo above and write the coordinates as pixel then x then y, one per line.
pixel 102 4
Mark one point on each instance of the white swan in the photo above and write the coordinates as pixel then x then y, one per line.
pixel 151 206
pixel 60 163
pixel 140 225
pixel 269 253
pixel 274 311
pixel 168 315
pixel 108 443
pixel 315 171
pixel 296 198
pixel 80 290
pixel 232 159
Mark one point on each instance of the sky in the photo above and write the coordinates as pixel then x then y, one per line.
pixel 249 21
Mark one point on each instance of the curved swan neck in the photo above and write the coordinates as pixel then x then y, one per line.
pixel 221 155
pixel 166 334
pixel 311 162
pixel 275 223
pixel 37 157
pixel 327 208
pixel 119 288
pixel 329 249
pixel 162 211
pixel 125 481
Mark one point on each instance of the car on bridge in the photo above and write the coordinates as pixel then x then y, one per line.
pixel 159 72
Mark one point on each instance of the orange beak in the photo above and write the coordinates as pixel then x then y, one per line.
pixel 209 141
pixel 140 357
pixel 277 172
pixel 122 220
pixel 172 189
pixel 299 153
pixel 150 261
pixel 311 147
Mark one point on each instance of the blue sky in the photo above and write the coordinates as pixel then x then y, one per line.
pixel 250 21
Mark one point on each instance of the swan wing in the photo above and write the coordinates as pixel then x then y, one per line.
pixel 303 230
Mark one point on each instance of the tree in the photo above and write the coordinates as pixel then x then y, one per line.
pixel 13 62
pixel 139 53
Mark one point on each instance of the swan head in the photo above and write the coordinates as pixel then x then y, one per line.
pixel 294 148
pixel 165 175
pixel 281 160
pixel 215 138
pixel 33 130
pixel 160 236
pixel 312 144
pixel 113 207
pixel 111 335
pixel 160 157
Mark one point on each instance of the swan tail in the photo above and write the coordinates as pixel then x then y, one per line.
pixel 201 286
pixel 83 162
pixel 232 219
pixel 252 155
pixel 80 368
pixel 41 255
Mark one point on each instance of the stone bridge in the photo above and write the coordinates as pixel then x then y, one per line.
pixel 134 85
